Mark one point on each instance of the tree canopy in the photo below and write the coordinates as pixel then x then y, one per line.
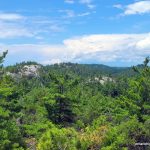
pixel 74 107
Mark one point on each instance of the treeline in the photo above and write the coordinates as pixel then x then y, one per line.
pixel 63 109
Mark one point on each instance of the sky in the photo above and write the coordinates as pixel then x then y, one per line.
pixel 110 32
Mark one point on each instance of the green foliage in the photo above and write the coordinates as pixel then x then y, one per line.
pixel 10 135
pixel 71 107
pixel 54 139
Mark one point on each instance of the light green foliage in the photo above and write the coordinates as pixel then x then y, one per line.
pixel 58 139
pixel 123 135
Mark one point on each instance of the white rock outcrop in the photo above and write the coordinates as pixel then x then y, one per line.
pixel 30 71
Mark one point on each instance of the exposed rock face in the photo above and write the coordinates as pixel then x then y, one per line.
pixel 105 79
pixel 30 71
pixel 102 80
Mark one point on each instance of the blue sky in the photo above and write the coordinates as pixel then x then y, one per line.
pixel 111 32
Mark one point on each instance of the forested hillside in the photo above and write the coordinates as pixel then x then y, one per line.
pixel 74 107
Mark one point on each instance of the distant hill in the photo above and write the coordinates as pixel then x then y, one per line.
pixel 87 70
pixel 82 70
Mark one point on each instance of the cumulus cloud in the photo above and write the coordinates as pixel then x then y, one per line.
pixel 102 42
pixel 106 48
pixel 144 43
pixel 101 48
pixel 139 7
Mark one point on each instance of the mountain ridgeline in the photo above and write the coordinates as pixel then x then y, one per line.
pixel 70 106
pixel 82 70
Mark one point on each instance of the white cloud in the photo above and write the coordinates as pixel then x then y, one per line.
pixel 88 3
pixel 9 30
pixel 52 61
pixel 84 14
pixel 56 28
pixel 71 14
pixel 144 43
pixel 91 6
pixel 110 47
pixel 15 25
pixel 11 26
pixel 98 48
pixel 119 6
pixel 102 42
pixel 68 13
pixel 139 7
pixel 10 16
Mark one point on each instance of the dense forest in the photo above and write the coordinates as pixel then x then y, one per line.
pixel 70 106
